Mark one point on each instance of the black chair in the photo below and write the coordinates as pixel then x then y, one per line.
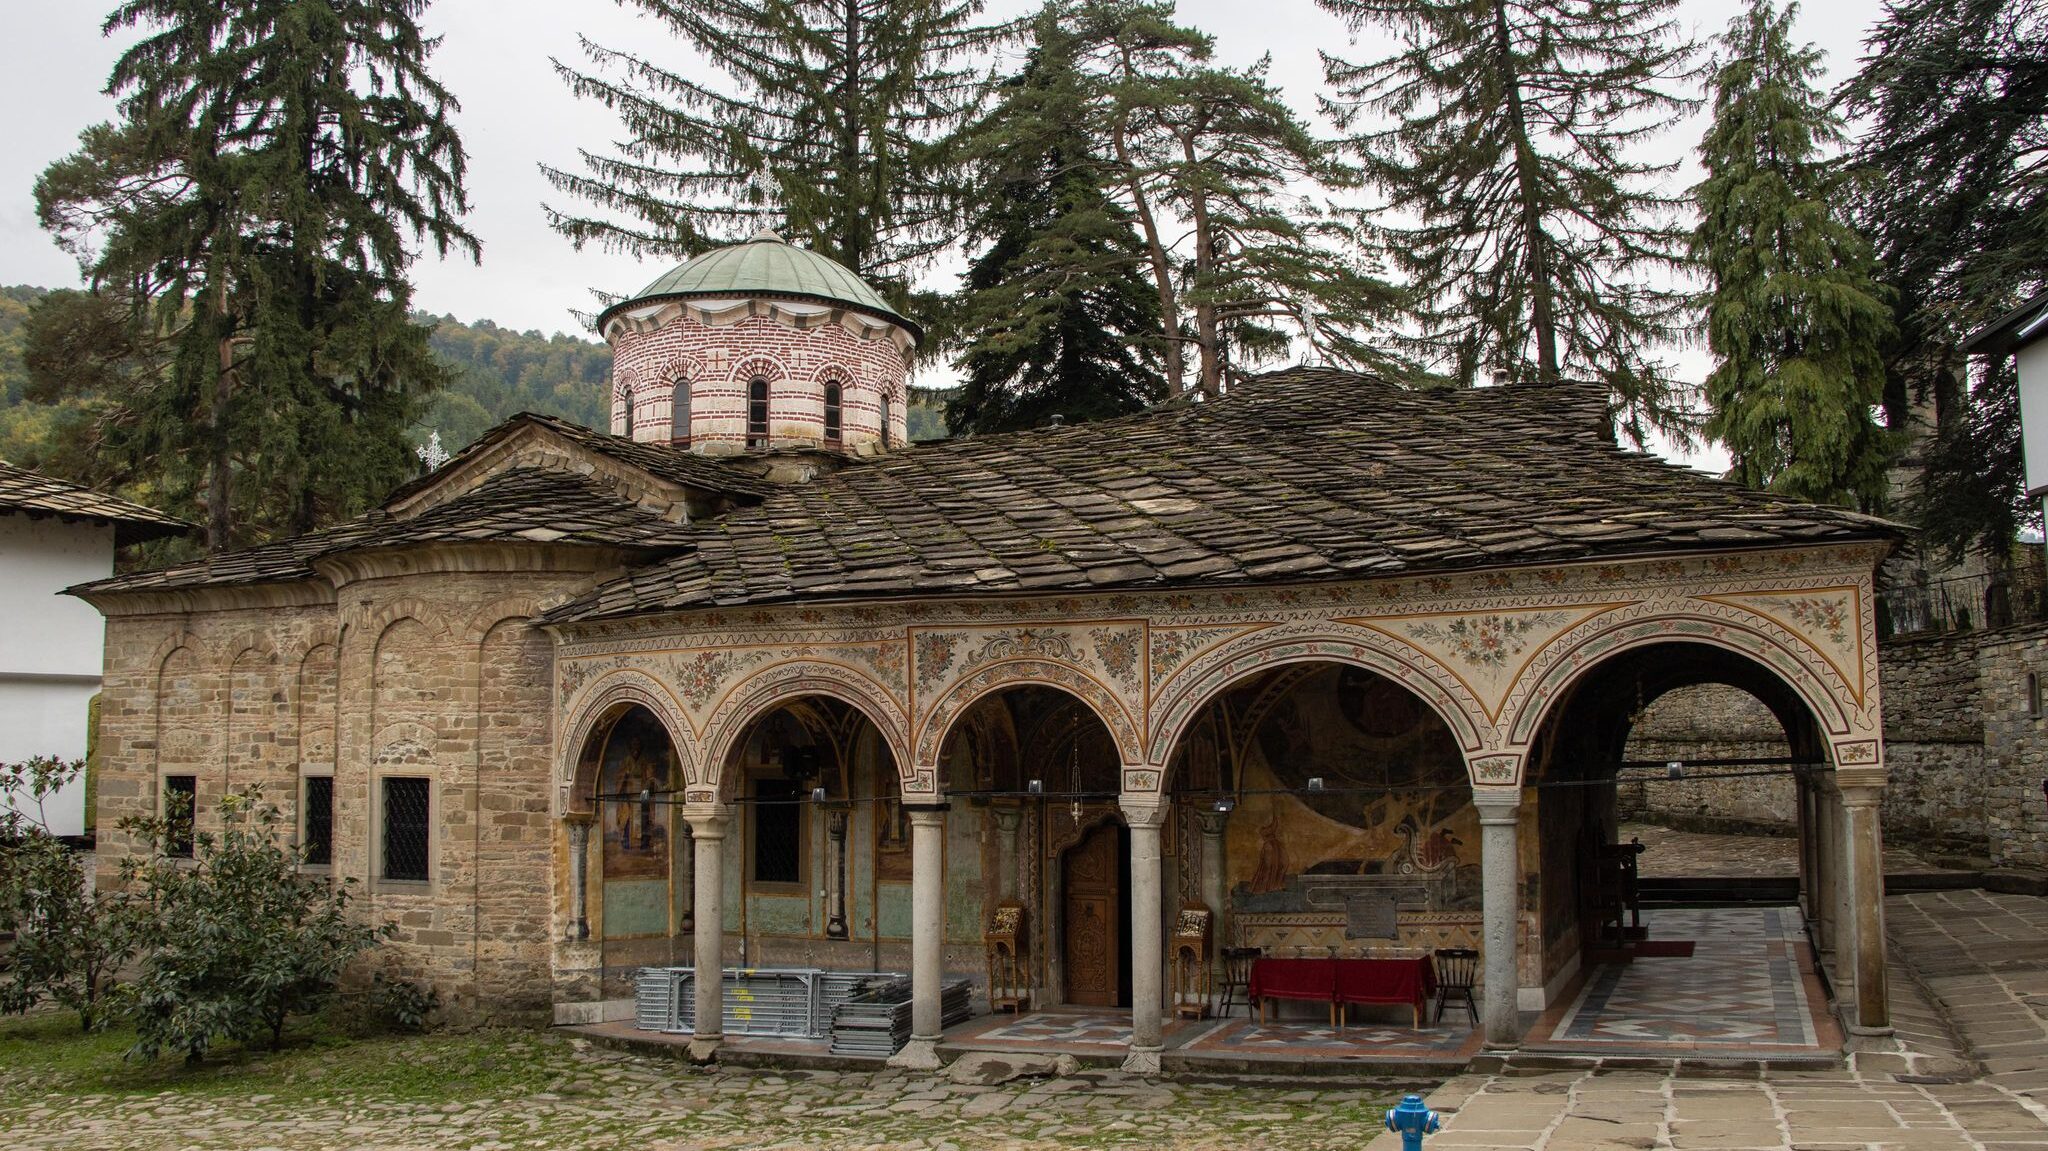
pixel 1457 968
pixel 1237 977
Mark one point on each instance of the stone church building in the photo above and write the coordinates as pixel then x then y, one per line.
pixel 750 680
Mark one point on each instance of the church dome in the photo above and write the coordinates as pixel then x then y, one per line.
pixel 765 265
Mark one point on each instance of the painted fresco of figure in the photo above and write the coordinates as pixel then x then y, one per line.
pixel 635 772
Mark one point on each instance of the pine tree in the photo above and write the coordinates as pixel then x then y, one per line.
pixel 1541 248
pixel 834 128
pixel 255 201
pixel 1056 316
pixel 1794 316
pixel 1955 93
pixel 1212 165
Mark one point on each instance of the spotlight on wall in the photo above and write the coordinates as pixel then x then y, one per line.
pixel 817 795
pixel 1223 806
pixel 1035 787
pixel 1315 783
pixel 1674 770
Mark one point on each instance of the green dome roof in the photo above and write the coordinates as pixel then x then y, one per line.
pixel 766 265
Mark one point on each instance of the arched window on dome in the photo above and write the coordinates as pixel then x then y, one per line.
pixel 679 413
pixel 888 417
pixel 757 413
pixel 626 413
pixel 832 414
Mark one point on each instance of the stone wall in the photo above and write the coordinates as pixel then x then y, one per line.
pixel 1964 743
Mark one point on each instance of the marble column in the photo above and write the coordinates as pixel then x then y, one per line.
pixel 1501 887
pixel 927 937
pixel 686 877
pixel 1863 867
pixel 1007 820
pixel 579 875
pixel 1832 855
pixel 708 825
pixel 1146 815
pixel 836 817
pixel 1214 876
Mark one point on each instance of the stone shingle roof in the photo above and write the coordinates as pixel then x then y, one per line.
pixel 533 505
pixel 34 494
pixel 664 461
pixel 1300 475
pixel 765 265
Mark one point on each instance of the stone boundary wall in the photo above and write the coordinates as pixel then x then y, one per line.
pixel 1966 748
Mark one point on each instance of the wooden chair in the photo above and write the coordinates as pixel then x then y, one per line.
pixel 1457 968
pixel 1237 977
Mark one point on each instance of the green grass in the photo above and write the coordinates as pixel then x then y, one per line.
pixel 46 1054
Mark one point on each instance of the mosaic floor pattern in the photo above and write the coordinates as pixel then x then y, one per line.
pixel 1746 987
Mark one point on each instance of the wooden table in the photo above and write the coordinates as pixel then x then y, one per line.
pixel 1342 982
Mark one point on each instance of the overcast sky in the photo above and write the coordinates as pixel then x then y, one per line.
pixel 516 115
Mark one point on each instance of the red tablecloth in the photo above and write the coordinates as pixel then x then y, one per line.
pixel 1410 981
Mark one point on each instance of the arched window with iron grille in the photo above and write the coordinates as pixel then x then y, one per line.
pixel 832 413
pixel 757 413
pixel 679 413
pixel 888 417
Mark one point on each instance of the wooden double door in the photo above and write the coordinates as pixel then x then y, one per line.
pixel 1095 918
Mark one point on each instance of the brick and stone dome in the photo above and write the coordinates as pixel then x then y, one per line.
pixel 759 345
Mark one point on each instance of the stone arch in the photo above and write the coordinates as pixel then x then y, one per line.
pixel 170 644
pixel 485 619
pixel 1104 702
pixel 380 621
pixel 762 692
pixel 245 642
pixel 296 651
pixel 1208 675
pixel 600 697
pixel 1567 659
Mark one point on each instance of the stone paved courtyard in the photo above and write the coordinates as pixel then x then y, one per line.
pixel 1973 960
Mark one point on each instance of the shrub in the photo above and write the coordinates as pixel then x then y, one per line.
pixel 386 1007
pixel 236 940
pixel 68 940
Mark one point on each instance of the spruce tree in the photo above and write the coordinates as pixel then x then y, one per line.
pixel 1955 95
pixel 1505 139
pixel 1220 175
pixel 833 127
pixel 1055 316
pixel 1794 316
pixel 256 200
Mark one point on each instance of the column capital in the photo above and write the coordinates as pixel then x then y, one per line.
pixel 1211 821
pixel 581 819
pixel 1006 816
pixel 707 820
pixel 1143 810
pixel 926 816
pixel 1497 804
pixel 1860 786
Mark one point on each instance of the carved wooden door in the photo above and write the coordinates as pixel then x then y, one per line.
pixel 1094 935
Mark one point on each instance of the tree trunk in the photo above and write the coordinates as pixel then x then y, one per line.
pixel 1208 338
pixel 1542 304
pixel 851 195
pixel 1172 359
pixel 219 522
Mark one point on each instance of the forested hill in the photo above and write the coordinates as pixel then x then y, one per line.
pixel 498 371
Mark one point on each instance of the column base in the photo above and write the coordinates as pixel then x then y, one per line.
pixel 705 1050
pixel 1142 1061
pixel 1859 1030
pixel 918 1055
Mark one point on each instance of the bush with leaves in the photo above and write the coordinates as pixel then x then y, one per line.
pixel 69 941
pixel 236 940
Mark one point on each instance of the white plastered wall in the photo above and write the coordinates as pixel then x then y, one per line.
pixel 51 646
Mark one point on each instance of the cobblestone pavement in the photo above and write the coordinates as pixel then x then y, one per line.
pixel 1984 959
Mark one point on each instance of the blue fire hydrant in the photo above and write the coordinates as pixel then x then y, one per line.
pixel 1411 1120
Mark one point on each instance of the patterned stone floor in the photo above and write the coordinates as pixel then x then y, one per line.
pixel 1747 990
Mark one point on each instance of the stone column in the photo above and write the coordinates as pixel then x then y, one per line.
pixel 579 875
pixel 835 872
pixel 1500 868
pixel 1863 868
pixel 708 823
pixel 927 937
pixel 1007 820
pixel 1146 814
pixel 1830 887
pixel 1802 791
pixel 1212 823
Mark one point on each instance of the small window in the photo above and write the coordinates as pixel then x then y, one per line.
pixel 319 835
pixel 626 413
pixel 888 417
pixel 181 795
pixel 2033 685
pixel 679 413
pixel 757 413
pixel 778 831
pixel 832 417
pixel 405 828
